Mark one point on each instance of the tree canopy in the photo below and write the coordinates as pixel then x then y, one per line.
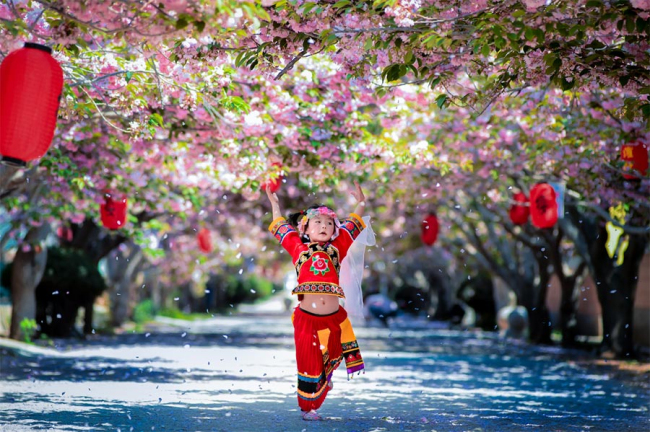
pixel 185 106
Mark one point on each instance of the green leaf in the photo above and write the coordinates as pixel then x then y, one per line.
pixel 73 49
pixel 199 25
pixel 156 120
pixel 129 74
pixel 440 100
pixel 624 80
pixel 393 72
pixel 412 68
pixel 529 34
pixel 557 63
pixel 262 14
pixel 235 103
pixel 434 82
pixel 645 110
pixel 341 4
pixel 181 23
pixel 306 7
pixel 567 85
pixel 78 182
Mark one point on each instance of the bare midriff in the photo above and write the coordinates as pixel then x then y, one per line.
pixel 320 304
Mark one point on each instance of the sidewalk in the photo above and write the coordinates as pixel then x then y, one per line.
pixel 236 373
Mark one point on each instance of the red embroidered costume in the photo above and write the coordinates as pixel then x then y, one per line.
pixel 322 341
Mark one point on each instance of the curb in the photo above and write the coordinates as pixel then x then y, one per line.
pixel 28 349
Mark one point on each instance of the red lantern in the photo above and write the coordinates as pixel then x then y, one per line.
pixel 113 212
pixel 543 205
pixel 275 183
pixel 519 213
pixel 64 233
pixel 205 240
pixel 430 228
pixel 30 88
pixel 636 158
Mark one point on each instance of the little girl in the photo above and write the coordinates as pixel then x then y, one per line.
pixel 322 331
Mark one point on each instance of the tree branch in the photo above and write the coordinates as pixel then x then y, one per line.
pixel 290 65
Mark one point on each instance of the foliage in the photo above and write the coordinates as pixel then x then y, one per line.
pixel 494 46
pixel 28 328
pixel 143 312
pixel 71 271
pixel 179 108
pixel 176 314
pixel 67 271
pixel 247 289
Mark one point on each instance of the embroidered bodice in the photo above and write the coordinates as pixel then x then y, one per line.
pixel 317 264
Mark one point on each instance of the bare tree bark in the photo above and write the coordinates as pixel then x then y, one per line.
pixel 27 271
pixel 523 265
pixel 7 174
pixel 569 281
pixel 122 266
pixel 615 285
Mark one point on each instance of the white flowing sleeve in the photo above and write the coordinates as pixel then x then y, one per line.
pixel 352 273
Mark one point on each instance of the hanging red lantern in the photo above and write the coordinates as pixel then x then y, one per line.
pixel 113 212
pixel 64 233
pixel 543 205
pixel 31 82
pixel 205 240
pixel 430 228
pixel 274 183
pixel 636 158
pixel 519 212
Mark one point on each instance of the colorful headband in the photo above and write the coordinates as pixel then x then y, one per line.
pixel 319 211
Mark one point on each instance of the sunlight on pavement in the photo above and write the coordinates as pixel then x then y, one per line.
pixel 221 374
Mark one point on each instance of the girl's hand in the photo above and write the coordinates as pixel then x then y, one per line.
pixel 361 199
pixel 275 203
pixel 273 198
pixel 358 193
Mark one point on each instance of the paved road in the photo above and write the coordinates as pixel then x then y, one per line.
pixel 236 374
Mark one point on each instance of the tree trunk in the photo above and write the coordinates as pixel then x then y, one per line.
pixel 121 269
pixel 539 318
pixel 26 274
pixel 526 273
pixel 153 288
pixel 569 306
pixel 442 308
pixel 616 287
pixel 88 317
pixel 569 280
pixel 11 178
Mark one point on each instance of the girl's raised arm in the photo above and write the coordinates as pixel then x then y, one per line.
pixel 275 203
pixel 361 199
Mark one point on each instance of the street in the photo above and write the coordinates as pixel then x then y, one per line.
pixel 237 373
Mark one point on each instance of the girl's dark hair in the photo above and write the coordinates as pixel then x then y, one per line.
pixel 294 218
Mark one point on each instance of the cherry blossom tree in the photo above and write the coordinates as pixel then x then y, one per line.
pixel 468 52
pixel 188 106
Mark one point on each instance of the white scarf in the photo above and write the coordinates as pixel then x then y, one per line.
pixel 351 273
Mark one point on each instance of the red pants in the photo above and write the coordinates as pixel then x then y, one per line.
pixel 321 341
